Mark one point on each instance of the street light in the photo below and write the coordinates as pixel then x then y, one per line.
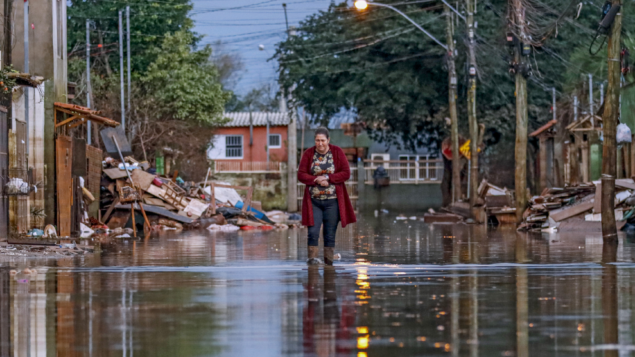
pixel 363 4
pixel 449 49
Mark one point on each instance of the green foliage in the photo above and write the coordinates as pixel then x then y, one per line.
pixel 183 83
pixel 150 22
pixel 257 99
pixel 395 77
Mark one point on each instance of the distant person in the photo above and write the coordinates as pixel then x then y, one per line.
pixel 379 176
pixel 324 170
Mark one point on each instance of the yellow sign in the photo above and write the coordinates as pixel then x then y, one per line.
pixel 465 150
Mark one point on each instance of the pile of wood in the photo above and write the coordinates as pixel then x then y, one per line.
pixel 575 208
pixel 160 200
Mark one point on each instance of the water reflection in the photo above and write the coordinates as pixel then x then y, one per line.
pixel 402 288
pixel 327 324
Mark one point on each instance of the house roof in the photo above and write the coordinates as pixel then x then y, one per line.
pixel 239 119
pixel 544 128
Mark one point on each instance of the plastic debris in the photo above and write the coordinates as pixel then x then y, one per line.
pixel 223 228
pixel 35 233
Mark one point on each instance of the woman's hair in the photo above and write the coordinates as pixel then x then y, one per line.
pixel 321 131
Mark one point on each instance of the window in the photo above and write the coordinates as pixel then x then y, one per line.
pixel 377 160
pixel 234 146
pixel 275 141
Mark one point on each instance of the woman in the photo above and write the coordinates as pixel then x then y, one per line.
pixel 324 170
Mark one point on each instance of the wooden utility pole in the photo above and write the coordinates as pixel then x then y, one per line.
pixel 521 114
pixel 609 119
pixel 471 103
pixel 454 127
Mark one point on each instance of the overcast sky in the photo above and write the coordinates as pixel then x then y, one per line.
pixel 245 24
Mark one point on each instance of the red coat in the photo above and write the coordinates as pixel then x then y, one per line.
pixel 339 178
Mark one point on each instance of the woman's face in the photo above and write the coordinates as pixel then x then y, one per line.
pixel 321 142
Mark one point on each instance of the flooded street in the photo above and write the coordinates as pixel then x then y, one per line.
pixel 402 288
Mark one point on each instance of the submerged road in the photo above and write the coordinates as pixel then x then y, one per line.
pixel 402 288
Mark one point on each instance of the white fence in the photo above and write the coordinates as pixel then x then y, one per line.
pixel 245 166
pixel 406 172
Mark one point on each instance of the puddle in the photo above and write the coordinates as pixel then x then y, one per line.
pixel 401 288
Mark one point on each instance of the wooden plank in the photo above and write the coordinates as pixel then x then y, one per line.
pixel 142 179
pixel 93 177
pixel 597 205
pixel 80 122
pixel 32 241
pixel 74 117
pixel 625 183
pixel 114 173
pixel 572 211
pixel 64 160
pixel 159 211
pixel 109 211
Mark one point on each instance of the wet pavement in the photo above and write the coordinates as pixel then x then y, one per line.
pixel 402 288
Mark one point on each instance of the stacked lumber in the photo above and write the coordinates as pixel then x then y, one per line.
pixel 574 208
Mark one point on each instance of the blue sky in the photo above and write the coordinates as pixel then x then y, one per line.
pixel 245 24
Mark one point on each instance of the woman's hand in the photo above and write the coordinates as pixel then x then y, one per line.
pixel 324 183
pixel 319 179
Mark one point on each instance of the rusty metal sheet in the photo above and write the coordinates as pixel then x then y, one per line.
pixel 64 161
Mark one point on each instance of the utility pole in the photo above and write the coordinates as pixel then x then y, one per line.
pixel 609 120
pixel 553 102
pixel 601 94
pixel 128 50
pixel 454 127
pixel 521 114
pixel 591 110
pixel 88 88
pixel 574 156
pixel 123 109
pixel 4 134
pixel 267 140
pixel 26 70
pixel 471 103
pixel 292 138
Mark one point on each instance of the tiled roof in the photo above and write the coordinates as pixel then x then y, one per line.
pixel 239 119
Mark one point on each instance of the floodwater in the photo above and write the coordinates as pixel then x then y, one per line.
pixel 402 288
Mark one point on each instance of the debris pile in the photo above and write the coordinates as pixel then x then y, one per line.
pixel 577 208
pixel 134 196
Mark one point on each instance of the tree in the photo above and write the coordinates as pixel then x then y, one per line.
pixel 150 22
pixel 229 65
pixel 262 98
pixel 183 84
pixel 378 64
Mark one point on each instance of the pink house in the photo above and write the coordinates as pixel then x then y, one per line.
pixel 241 144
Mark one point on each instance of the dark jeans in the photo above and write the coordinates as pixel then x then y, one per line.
pixel 327 212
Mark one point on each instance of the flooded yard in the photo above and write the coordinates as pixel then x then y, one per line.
pixel 402 288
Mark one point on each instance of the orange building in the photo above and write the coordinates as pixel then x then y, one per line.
pixel 242 143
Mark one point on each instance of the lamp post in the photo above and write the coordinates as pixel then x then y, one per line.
pixel 449 48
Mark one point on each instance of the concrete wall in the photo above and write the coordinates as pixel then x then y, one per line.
pixel 47 39
pixel 258 151
pixel 269 188
pixel 47 59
